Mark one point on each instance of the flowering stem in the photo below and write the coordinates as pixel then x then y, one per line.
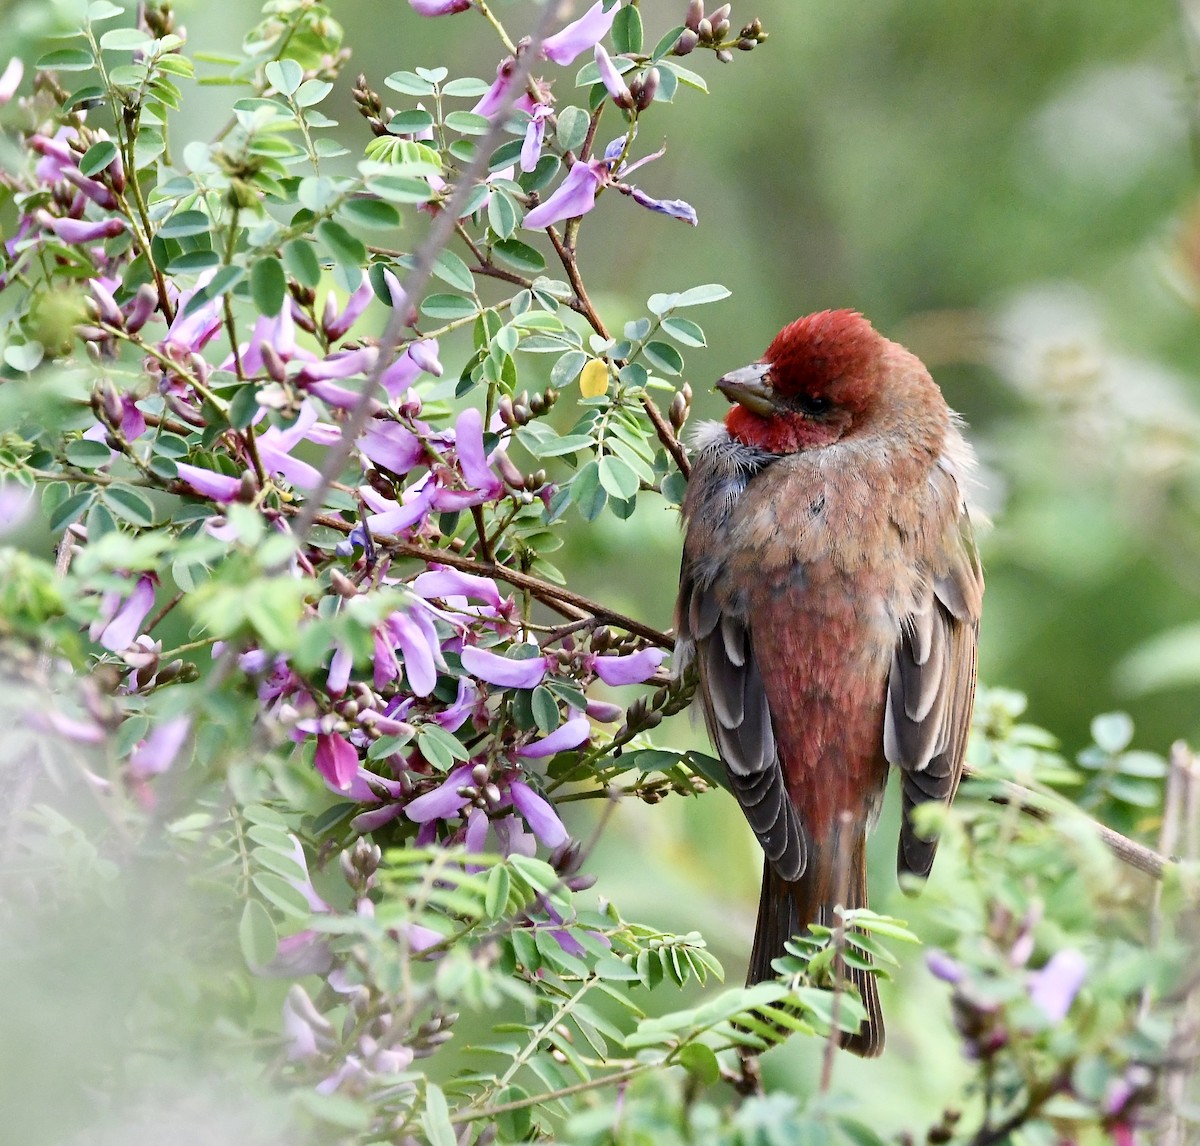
pixel 624 1075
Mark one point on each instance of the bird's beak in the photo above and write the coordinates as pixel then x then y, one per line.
pixel 749 387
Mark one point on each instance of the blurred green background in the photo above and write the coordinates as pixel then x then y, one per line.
pixel 1010 190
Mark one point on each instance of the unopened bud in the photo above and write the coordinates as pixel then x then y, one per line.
pixel 144 304
pixel 704 30
pixel 678 411
pixel 342 585
pixel 110 402
pixel 746 44
pixel 645 89
pixel 695 13
pixel 491 795
pixel 725 56
pixel 686 44
pixel 273 363
pixel 752 30
pixel 504 407
pixel 505 467
pixel 248 490
pixel 381 484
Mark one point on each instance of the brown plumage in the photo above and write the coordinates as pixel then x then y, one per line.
pixel 830 595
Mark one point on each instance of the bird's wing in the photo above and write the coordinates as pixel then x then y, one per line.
pixel 931 689
pixel 739 720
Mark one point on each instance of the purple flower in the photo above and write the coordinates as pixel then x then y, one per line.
pixel 307 1033
pixel 339 670
pixel 580 35
pixel 539 814
pixel 209 483
pixel 492 100
pixel 603 712
pixel 676 208
pixel 275 446
pixel 444 583
pixel 611 78
pixel 337 761
pixel 415 636
pixel 632 669
pixel 11 79
pixel 337 325
pixel 444 801
pixel 468 439
pixel 576 195
pixel 569 735
pixel 342 364
pixel 81 230
pixel 396 517
pixel 391 445
pixel 941 966
pixel 503 671
pixel 535 135
pixel 424 352
pixel 120 619
pixel 477 828
pixel 439 7
pixel 158 751
pixel 1054 987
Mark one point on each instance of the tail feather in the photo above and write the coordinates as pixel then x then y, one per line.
pixel 786 909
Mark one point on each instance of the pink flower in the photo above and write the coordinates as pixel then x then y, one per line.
pixel 539 814
pixel 444 583
pixel 10 80
pixel 579 35
pixel 158 751
pixel 1054 987
pixel 120 619
pixel 576 195
pixel 81 230
pixel 439 7
pixel 337 761
pixel 535 135
pixel 209 483
pixel 503 671
pixel 611 78
pixel 632 669
pixel 444 801
pixel 337 325
pixel 492 100
pixel 567 736
pixel 391 445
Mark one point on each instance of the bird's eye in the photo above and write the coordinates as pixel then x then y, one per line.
pixel 813 404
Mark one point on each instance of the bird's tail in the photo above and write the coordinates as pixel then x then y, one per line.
pixel 786 909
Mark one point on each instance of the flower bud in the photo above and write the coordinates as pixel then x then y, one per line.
pixel 276 370
pixel 686 44
pixel 705 31
pixel 746 44
pixel 143 305
pixel 695 13
pixel 342 585
pixel 725 56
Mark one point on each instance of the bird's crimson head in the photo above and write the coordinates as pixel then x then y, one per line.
pixel 818 380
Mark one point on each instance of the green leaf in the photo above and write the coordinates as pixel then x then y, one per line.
pixel 185 223
pixel 301 261
pixel 545 709
pixel 69 509
pixel 440 747
pixel 498 887
pixel 665 44
pixel 88 455
pixel 268 285
pixel 257 935
pixel 664 357
pixel 65 60
pixel 451 269
pixel 98 157
pixel 284 75
pixel 1112 731
pixel 346 249
pixel 409 84
pixel 129 504
pixel 587 492
pixel 467 123
pixel 618 477
pixel 312 92
pixel 520 256
pixel 627 31
pixel 124 40
pixel 193 262
pixel 370 213
pixel 281 893
pixel 448 307
pixel 683 330
pixel 101 10
pixel 436 1119
pixel 700 1061
pixel 572 127
pixel 502 214
pixel 410 122
pixel 698 296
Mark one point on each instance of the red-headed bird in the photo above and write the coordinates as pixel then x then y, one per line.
pixel 830 596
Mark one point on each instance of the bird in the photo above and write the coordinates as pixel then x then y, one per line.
pixel 830 596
